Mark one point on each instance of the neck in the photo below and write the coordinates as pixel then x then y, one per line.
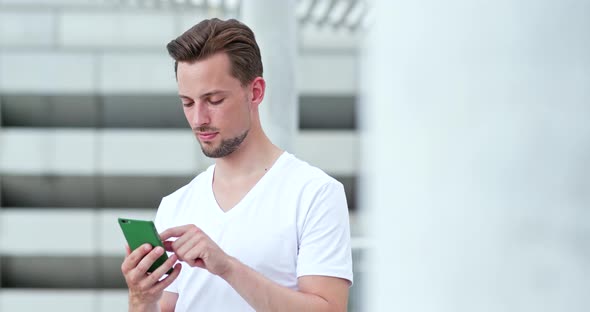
pixel 255 155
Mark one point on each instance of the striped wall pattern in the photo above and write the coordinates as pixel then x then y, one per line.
pixel 91 129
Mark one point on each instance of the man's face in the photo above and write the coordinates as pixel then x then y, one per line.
pixel 215 104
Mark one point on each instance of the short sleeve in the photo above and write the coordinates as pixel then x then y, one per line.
pixel 162 223
pixel 324 245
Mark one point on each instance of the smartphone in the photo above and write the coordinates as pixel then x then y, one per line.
pixel 139 232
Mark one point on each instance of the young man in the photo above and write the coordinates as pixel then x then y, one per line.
pixel 259 230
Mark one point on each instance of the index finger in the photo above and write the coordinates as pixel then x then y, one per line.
pixel 175 231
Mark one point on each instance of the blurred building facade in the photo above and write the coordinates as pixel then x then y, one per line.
pixel 91 129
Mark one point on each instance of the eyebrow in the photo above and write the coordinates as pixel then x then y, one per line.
pixel 204 95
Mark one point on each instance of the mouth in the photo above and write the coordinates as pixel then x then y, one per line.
pixel 207 136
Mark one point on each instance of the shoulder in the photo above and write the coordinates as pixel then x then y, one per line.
pixel 309 185
pixel 194 185
pixel 304 174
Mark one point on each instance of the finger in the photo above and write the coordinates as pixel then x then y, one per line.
pixel 191 250
pixel 168 245
pixel 132 260
pixel 191 246
pixel 176 231
pixel 147 261
pixel 186 237
pixel 161 285
pixel 199 263
pixel 155 276
pixel 127 250
pixel 161 270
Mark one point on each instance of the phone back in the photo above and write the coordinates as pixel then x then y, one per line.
pixel 139 232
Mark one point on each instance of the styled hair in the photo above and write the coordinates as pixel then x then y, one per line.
pixel 214 35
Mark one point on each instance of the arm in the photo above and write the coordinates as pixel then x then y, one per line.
pixel 168 301
pixel 316 293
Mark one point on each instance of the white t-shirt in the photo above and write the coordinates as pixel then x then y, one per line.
pixel 293 222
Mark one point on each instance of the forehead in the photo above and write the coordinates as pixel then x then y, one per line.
pixel 198 77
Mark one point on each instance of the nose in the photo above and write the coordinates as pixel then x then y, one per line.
pixel 200 116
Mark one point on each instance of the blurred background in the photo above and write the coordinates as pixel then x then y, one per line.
pixel 458 128
pixel 92 128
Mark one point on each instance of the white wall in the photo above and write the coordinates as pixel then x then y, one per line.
pixel 479 199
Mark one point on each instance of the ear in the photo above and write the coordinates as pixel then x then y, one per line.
pixel 257 88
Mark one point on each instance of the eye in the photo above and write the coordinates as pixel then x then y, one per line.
pixel 216 102
pixel 187 104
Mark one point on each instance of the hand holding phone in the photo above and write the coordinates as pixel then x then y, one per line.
pixel 139 232
pixel 148 255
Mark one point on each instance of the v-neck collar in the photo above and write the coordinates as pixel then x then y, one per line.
pixel 249 195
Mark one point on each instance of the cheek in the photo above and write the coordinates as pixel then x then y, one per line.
pixel 230 116
pixel 187 114
pixel 233 117
pixel 242 117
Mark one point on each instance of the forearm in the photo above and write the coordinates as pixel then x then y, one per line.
pixel 265 295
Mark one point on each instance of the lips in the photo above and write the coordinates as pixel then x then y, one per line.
pixel 206 136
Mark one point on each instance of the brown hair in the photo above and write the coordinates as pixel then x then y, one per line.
pixel 214 35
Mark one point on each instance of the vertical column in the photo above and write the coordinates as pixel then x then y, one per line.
pixel 274 24
pixel 1 205
pixel 475 155
pixel 1 165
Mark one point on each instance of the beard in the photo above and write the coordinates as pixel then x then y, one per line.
pixel 226 147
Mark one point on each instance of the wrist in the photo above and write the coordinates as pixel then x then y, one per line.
pixel 136 305
pixel 144 307
pixel 232 266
